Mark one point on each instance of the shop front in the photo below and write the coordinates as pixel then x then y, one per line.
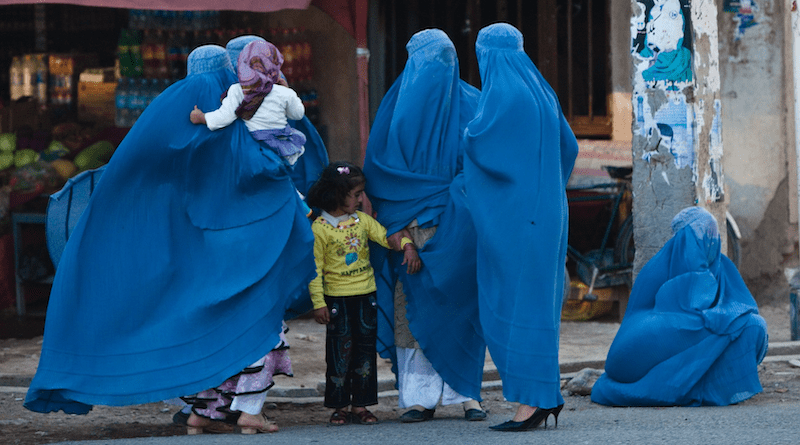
pixel 77 74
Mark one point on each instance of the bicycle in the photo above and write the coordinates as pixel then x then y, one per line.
pixel 607 266
pixel 610 263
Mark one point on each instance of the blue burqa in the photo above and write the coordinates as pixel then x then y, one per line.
pixel 180 269
pixel 412 165
pixel 691 334
pixel 519 154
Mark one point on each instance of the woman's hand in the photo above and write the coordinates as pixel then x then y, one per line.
pixel 411 257
pixel 197 116
pixel 322 316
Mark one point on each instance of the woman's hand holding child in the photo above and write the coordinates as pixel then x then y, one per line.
pixel 411 257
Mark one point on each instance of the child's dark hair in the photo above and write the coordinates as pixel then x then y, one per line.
pixel 333 185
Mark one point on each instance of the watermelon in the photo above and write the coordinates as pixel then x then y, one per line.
pixel 8 142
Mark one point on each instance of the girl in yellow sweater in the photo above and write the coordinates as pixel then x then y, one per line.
pixel 343 292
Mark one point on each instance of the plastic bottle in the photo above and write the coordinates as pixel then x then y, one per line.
pixel 15 75
pixel 185 44
pixel 160 55
pixel 41 80
pixel 153 90
pixel 148 53
pixel 28 75
pixel 122 104
pixel 287 49
pixel 174 54
pixel 135 99
pixel 136 54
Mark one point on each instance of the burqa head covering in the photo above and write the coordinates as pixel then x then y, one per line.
pixel 186 232
pixel 414 149
pixel 519 154
pixel 704 226
pixel 691 334
pixel 237 44
pixel 258 68
pixel 208 58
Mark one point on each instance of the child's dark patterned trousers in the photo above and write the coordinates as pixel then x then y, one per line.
pixel 351 377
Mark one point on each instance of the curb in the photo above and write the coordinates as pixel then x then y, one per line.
pixel 779 351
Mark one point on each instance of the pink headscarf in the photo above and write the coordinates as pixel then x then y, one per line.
pixel 258 68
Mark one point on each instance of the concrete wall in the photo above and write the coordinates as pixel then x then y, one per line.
pixel 756 97
pixel 621 69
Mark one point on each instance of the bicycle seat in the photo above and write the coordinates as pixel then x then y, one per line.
pixel 615 172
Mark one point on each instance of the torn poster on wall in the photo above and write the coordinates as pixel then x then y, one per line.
pixel 712 181
pixel 745 15
pixel 661 49
pixel 673 121
pixel 663 39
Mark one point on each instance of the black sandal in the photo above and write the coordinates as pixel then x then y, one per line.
pixel 363 418
pixel 339 417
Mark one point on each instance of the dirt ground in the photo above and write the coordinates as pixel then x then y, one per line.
pixel 781 382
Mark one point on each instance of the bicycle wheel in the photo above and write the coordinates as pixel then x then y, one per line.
pixel 624 250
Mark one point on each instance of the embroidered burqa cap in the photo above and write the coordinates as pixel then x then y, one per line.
pixel 237 44
pixel 208 58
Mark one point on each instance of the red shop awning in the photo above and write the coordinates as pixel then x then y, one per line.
pixel 181 5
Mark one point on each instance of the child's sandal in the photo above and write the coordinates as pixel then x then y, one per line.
pixel 364 417
pixel 339 418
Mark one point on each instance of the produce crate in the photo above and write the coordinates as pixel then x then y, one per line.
pixel 96 102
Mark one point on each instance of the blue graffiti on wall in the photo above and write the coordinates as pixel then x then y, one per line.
pixel 745 16
pixel 666 40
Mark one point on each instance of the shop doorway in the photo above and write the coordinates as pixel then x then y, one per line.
pixel 568 40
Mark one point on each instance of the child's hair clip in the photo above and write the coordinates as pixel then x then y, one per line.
pixel 343 170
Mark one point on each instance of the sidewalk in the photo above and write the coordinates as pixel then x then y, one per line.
pixel 584 344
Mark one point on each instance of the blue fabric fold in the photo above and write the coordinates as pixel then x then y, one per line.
pixel 285 141
pixel 307 169
pixel 413 157
pixel 691 335
pixel 519 154
pixel 181 267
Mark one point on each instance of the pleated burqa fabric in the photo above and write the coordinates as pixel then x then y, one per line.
pixel 413 164
pixel 519 154
pixel 691 335
pixel 180 269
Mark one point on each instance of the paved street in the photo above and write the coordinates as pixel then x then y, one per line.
pixel 587 424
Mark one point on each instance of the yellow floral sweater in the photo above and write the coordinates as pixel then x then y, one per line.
pixel 342 256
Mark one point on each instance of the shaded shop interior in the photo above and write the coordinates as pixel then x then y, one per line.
pixel 342 56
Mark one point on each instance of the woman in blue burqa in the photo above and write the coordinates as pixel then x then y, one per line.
pixel 691 335
pixel 519 155
pixel 413 164
pixel 178 273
